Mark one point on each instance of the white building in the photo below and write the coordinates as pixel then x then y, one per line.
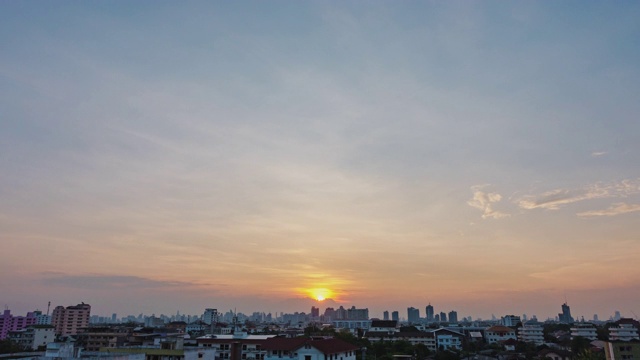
pixel 499 333
pixel 510 320
pixel 448 339
pixel 531 333
pixel 351 324
pixel 306 349
pixel 585 330
pixel 624 332
pixel 34 336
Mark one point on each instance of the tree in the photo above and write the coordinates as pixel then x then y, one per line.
pixel 580 344
pixel 7 347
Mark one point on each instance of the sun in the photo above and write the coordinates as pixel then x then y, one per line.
pixel 320 294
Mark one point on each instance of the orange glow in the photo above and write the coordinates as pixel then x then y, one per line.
pixel 320 294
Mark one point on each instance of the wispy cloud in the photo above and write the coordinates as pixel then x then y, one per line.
pixel 554 199
pixel 598 153
pixel 613 210
pixel 484 201
pixel 112 281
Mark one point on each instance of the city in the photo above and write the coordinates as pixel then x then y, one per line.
pixel 71 332
pixel 319 179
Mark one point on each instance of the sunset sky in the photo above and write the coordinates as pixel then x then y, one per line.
pixel 483 156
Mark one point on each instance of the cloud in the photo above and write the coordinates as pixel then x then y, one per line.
pixel 613 210
pixel 484 200
pixel 598 153
pixel 111 281
pixel 554 199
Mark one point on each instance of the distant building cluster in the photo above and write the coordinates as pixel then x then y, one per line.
pixel 71 332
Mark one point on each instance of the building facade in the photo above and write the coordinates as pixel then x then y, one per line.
pixel 67 321
pixel 9 322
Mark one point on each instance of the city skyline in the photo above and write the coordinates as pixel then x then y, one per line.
pixel 477 156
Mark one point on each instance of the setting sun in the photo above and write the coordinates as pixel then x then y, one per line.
pixel 320 294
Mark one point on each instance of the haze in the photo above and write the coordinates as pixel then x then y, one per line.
pixel 482 156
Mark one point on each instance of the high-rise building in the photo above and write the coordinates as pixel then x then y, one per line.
pixel 413 315
pixel 443 316
pixel 453 317
pixel 565 316
pixel 395 316
pixel 315 312
pixel 67 321
pixel 329 314
pixel 429 313
pixel 210 316
pixel 385 315
pixel 510 320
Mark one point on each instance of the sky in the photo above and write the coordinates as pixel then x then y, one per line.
pixel 481 156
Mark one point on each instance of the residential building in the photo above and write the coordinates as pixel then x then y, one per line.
pixel 429 313
pixel 585 330
pixel 245 347
pixel 413 315
pixel 395 316
pixel 97 337
pixel 307 349
pixel 453 317
pixel 388 326
pixel 315 312
pixel 448 339
pixel 499 333
pixel 510 320
pixel 615 350
pixel 67 321
pixel 168 348
pixel 414 337
pixel 33 337
pixel 623 332
pixel 443 316
pixel 351 324
pixel 9 322
pixel 531 333
pixel 210 316
pixel 434 339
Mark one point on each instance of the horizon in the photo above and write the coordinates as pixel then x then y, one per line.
pixel 481 157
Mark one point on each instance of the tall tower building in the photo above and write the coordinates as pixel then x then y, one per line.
pixel 385 315
pixel 429 313
pixel 565 316
pixel 210 316
pixel 443 316
pixel 315 312
pixel 395 316
pixel 453 317
pixel 413 315
pixel 67 321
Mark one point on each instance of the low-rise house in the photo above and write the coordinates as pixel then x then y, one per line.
pixel 241 345
pixel 554 354
pixel 388 326
pixel 168 348
pixel 309 349
pixel 499 333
